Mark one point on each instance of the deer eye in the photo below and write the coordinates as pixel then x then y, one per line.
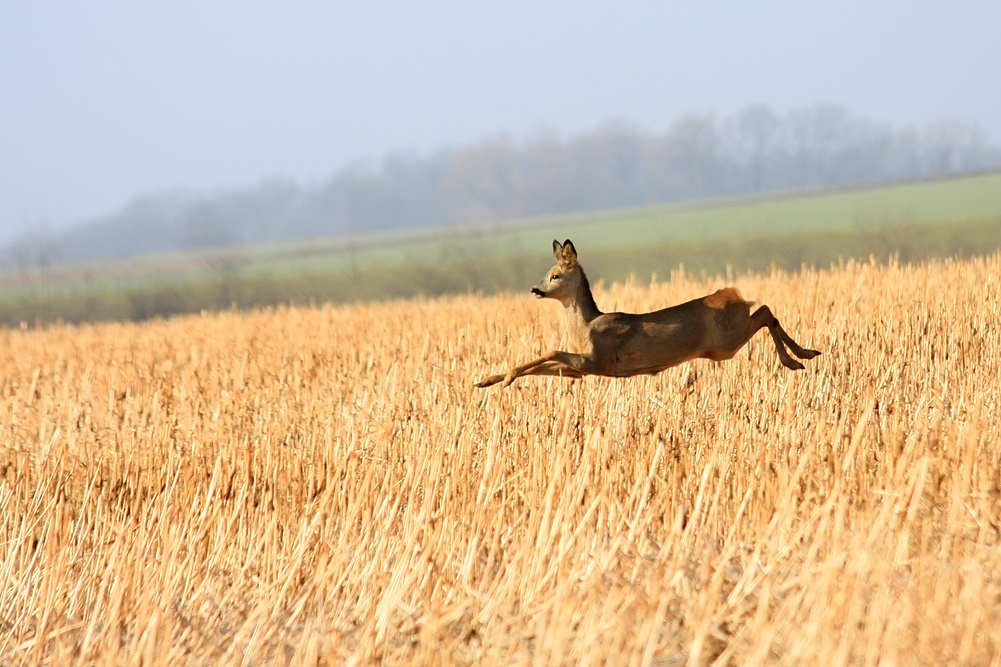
pixel 555 276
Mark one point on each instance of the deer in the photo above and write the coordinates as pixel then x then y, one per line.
pixel 621 345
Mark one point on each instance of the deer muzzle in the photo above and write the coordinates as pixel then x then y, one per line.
pixel 537 292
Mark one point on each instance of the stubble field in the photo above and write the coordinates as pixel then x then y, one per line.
pixel 325 486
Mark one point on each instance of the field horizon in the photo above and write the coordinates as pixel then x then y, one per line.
pixel 319 485
pixel 913 220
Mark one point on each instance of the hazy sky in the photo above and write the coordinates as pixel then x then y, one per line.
pixel 101 102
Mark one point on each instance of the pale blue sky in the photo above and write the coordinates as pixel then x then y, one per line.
pixel 103 102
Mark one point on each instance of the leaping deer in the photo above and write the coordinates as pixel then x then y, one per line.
pixel 624 344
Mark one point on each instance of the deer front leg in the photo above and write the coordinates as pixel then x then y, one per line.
pixel 556 362
pixel 548 368
pixel 509 377
pixel 488 381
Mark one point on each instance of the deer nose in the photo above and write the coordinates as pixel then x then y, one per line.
pixel 537 292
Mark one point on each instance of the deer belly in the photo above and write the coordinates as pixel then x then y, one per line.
pixel 718 355
pixel 649 362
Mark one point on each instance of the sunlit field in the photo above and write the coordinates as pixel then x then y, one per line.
pixel 325 485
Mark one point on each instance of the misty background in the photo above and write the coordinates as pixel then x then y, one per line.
pixel 128 129
pixel 502 178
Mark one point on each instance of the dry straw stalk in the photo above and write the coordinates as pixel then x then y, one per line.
pixel 325 486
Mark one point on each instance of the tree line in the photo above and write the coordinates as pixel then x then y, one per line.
pixel 615 165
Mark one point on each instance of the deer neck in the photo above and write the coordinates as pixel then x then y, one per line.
pixel 579 312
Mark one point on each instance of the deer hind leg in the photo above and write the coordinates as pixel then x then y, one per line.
pixel 763 317
pixel 800 352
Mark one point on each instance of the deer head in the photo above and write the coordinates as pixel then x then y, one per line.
pixel 563 280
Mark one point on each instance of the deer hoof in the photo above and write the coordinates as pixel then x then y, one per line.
pixel 488 381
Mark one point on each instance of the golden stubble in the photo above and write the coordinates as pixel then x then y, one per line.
pixel 325 486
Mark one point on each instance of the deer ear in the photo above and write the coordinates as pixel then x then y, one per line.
pixel 569 253
pixel 557 251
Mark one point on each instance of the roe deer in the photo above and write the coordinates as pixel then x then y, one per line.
pixel 623 344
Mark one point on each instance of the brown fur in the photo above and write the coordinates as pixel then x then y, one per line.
pixel 624 344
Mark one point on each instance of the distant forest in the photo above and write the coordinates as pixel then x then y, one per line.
pixel 616 165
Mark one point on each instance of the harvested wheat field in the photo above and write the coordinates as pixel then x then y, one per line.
pixel 325 485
